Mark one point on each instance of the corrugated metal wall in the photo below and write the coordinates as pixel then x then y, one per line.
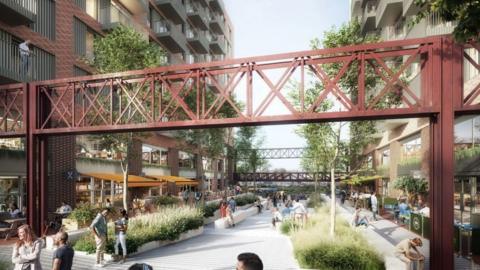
pixel 45 21
pixel 80 35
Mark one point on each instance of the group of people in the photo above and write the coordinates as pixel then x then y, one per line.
pixel 27 250
pixel 227 208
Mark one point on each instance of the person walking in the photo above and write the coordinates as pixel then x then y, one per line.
pixel 121 226
pixel 232 204
pixel 374 202
pixel 359 220
pixel 63 255
pixel 26 251
pixel 99 230
pixel 223 208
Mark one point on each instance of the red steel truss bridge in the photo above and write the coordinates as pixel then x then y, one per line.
pixel 424 75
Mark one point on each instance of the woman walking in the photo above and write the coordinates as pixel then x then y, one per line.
pixel 26 252
pixel 223 208
pixel 121 226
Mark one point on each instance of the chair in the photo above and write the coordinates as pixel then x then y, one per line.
pixel 10 232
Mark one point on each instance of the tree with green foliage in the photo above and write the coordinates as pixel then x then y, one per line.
pixel 465 13
pixel 121 50
pixel 247 142
pixel 325 150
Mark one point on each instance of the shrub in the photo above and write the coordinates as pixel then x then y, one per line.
pixel 83 213
pixel 287 226
pixel 167 224
pixel 315 249
pixel 166 200
pixel 315 200
pixel 245 199
pixel 209 209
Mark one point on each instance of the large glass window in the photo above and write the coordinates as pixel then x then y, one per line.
pixel 91 8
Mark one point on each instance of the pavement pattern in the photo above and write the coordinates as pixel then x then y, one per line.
pixel 214 250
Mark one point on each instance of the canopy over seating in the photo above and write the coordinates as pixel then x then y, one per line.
pixel 179 181
pixel 133 180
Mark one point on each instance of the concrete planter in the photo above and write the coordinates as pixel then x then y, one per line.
pixel 246 206
pixel 216 215
pixel 238 216
pixel 73 237
pixel 150 245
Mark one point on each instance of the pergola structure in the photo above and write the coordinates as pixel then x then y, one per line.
pixel 279 153
pixel 196 95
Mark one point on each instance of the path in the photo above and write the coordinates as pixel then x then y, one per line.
pixel 215 249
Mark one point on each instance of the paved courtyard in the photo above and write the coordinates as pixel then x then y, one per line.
pixel 215 249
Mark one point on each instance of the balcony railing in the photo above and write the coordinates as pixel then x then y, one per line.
pixel 437 26
pixel 28 5
pixel 161 26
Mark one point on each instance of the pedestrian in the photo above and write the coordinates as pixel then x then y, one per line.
pixel 277 216
pixel 26 251
pixel 223 208
pixel 275 200
pixel 63 255
pixel 402 251
pixel 232 204
pixel 359 220
pixel 249 261
pixel 24 57
pixel 230 212
pixel 121 226
pixel 108 203
pixel 99 230
pixel 374 202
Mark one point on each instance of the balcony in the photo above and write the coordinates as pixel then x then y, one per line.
pixel 368 18
pixel 218 45
pixel 388 11
pixel 18 12
pixel 136 7
pixel 197 41
pixel 197 14
pixel 394 32
pixel 437 26
pixel 217 24
pixel 170 36
pixel 173 10
pixel 10 62
pixel 409 8
pixel 217 5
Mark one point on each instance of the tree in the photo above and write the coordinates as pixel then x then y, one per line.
pixel 247 142
pixel 466 13
pixel 121 50
pixel 325 150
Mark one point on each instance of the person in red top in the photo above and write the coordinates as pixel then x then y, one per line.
pixel 223 208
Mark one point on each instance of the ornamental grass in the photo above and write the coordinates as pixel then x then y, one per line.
pixel 166 225
pixel 314 248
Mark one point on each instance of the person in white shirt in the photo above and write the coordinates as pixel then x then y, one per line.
pixel 24 57
pixel 374 202
pixel 425 211
pixel 299 212
pixel 64 209
pixel 277 216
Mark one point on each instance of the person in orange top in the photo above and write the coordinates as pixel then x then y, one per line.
pixel 223 208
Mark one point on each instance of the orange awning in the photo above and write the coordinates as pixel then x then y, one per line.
pixel 119 177
pixel 179 181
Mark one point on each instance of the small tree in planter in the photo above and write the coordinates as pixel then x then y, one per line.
pixel 411 186
pixel 80 217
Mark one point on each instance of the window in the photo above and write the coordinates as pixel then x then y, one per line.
pixel 386 157
pixel 91 8
pixel 411 148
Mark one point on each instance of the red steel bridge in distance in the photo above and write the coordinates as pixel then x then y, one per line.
pixel 156 99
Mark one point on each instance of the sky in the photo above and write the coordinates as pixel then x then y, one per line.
pixel 263 27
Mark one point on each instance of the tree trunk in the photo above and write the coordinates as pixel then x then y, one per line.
pixel 315 179
pixel 333 201
pixel 125 185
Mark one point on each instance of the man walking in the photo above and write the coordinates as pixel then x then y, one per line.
pixel 374 201
pixel 99 229
pixel 63 255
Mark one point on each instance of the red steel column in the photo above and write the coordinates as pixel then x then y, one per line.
pixel 31 146
pixel 442 145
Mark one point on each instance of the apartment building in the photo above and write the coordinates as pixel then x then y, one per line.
pixel 62 35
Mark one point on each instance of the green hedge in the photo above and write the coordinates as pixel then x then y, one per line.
pixel 315 200
pixel 209 209
pixel 166 200
pixel 167 224
pixel 245 199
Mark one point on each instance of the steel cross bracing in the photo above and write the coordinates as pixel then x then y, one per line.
pixel 284 177
pixel 424 77
pixel 278 153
